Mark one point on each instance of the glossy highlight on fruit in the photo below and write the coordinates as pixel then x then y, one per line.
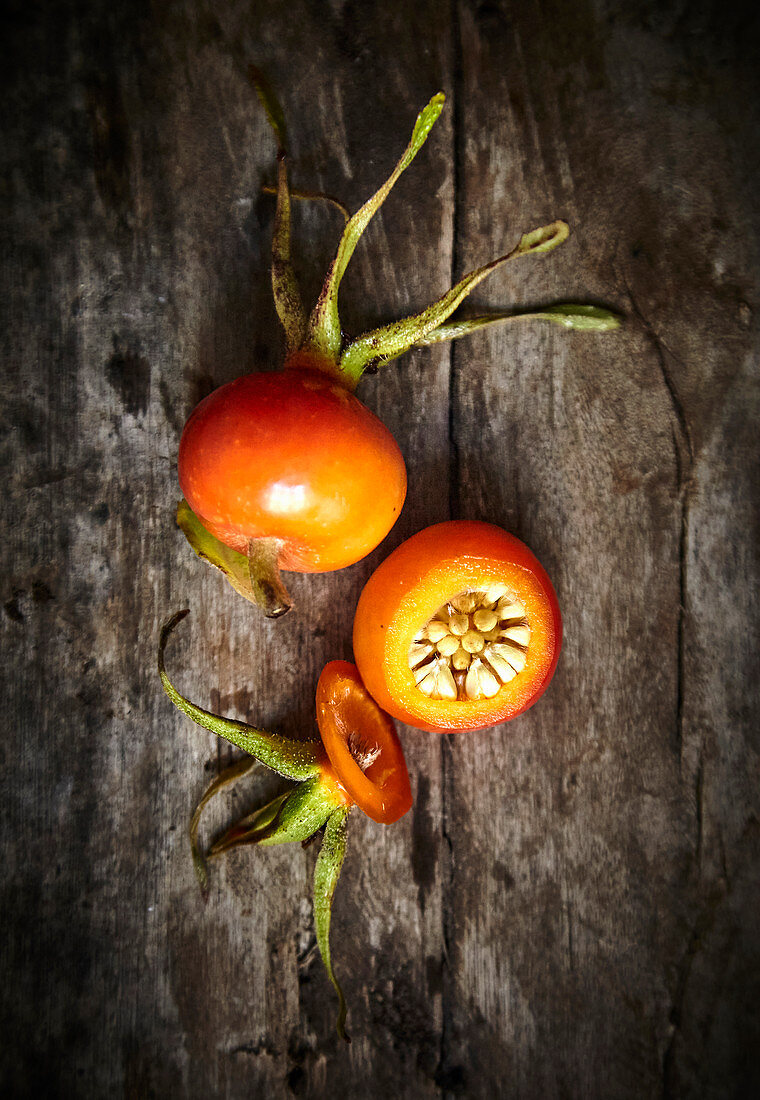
pixel 292 455
pixel 458 629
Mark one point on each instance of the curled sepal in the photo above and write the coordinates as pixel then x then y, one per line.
pixel 250 829
pixel 309 196
pixel 233 565
pixel 225 777
pixel 324 334
pixel 287 295
pixel 544 239
pixel 299 815
pixel 271 104
pixel 256 576
pixel 293 759
pixel 326 874
pixel 393 340
pixel 580 318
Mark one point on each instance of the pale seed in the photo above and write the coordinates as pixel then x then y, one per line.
pixel 421 672
pixel 418 653
pixel 446 687
pixel 509 610
pixel 459 624
pixel 472 641
pixel 494 592
pixel 472 680
pixel 489 685
pixel 501 667
pixel 485 620
pixel 461 659
pixel 428 683
pixel 519 634
pixel 448 645
pixel 465 603
pixel 435 630
pixel 511 653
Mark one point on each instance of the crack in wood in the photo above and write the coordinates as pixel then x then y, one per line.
pixel 684 462
pixel 703 925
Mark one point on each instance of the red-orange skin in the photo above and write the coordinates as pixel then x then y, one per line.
pixel 344 707
pixel 295 456
pixel 407 589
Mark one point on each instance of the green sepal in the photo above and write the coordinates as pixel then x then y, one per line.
pixel 251 828
pixel 393 340
pixel 233 565
pixel 225 777
pixel 326 875
pixel 293 759
pixel 256 576
pixel 579 318
pixel 306 810
pixel 324 332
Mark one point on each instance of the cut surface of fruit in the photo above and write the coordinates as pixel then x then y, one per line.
pixel 475 643
pixel 458 629
pixel 362 744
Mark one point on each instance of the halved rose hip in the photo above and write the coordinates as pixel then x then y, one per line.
pixel 458 629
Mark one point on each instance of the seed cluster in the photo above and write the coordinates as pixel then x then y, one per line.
pixel 473 644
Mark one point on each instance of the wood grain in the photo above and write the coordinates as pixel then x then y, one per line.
pixel 571 908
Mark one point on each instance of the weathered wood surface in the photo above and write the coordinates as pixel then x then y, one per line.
pixel 571 910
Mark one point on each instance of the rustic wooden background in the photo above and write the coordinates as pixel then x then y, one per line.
pixel 573 908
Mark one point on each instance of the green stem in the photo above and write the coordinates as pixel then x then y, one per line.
pixel 250 829
pixel 326 874
pixel 394 339
pixel 324 333
pixel 293 759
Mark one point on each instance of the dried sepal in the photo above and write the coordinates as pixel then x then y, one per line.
pixel 228 775
pixel 287 295
pixel 252 828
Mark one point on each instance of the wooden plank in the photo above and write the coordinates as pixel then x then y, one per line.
pixel 571 908
pixel 143 241
pixel 580 909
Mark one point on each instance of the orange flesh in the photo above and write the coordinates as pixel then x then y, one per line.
pixel 344 708
pixel 411 585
